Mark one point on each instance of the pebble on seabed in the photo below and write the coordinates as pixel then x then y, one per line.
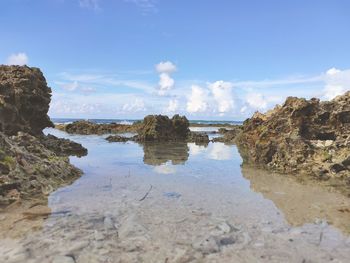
pixel 63 259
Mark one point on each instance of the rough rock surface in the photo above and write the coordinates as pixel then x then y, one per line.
pixel 30 162
pixel 228 136
pixel 301 136
pixel 63 147
pixel 88 128
pixel 118 138
pixel 198 138
pixel 162 128
pixel 28 168
pixel 24 100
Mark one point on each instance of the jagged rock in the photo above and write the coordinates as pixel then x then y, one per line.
pixel 30 162
pixel 118 138
pixel 229 135
pixel 24 100
pixel 31 168
pixel 87 128
pixel 301 136
pixel 198 138
pixel 162 128
pixel 63 147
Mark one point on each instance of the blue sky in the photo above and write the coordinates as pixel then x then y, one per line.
pixel 205 59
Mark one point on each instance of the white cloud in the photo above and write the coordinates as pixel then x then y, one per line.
pixel 135 106
pixel 166 82
pixel 166 67
pixel 165 169
pixel 220 151
pixel 197 101
pixel 337 82
pixel 257 101
pixel 172 106
pixel 19 59
pixel 70 86
pixel 222 92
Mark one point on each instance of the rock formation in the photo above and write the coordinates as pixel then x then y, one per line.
pixel 301 136
pixel 24 100
pixel 30 162
pixel 162 128
pixel 229 135
pixel 88 128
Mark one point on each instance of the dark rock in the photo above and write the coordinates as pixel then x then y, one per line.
pixel 229 135
pixel 301 136
pixel 63 147
pixel 117 138
pixel 162 128
pixel 32 169
pixel 24 100
pixel 198 138
pixel 88 128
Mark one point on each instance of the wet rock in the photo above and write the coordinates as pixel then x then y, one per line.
pixel 229 135
pixel 63 147
pixel 301 136
pixel 30 163
pixel 88 128
pixel 198 138
pixel 24 100
pixel 162 128
pixel 117 138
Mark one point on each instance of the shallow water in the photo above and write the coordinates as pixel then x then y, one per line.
pixel 179 202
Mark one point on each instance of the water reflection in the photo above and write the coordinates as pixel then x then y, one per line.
pixel 161 153
pixel 301 203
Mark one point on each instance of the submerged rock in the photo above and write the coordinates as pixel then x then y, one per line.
pixel 24 100
pixel 301 136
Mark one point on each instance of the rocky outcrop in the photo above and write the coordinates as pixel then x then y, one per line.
pixel 28 168
pixel 162 128
pixel 301 136
pixel 63 147
pixel 30 162
pixel 24 100
pixel 118 138
pixel 88 128
pixel 228 135
pixel 198 138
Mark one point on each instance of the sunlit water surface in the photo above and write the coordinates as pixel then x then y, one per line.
pixel 179 202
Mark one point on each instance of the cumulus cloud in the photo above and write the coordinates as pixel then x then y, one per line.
pixel 135 106
pixel 337 83
pixel 166 67
pixel 257 101
pixel 222 92
pixel 19 59
pixel 197 101
pixel 172 106
pixel 166 83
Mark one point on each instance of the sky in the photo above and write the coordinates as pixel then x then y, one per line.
pixel 206 59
